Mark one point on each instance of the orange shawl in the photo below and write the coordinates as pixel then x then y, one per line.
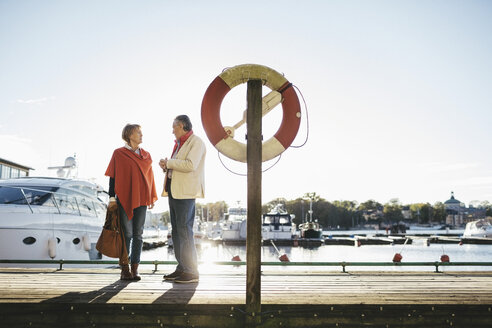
pixel 133 179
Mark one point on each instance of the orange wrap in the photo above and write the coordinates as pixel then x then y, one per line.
pixel 133 179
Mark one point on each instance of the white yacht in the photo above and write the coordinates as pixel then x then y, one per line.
pixel 235 225
pixel 479 228
pixel 277 225
pixel 50 218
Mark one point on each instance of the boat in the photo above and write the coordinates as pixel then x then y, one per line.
pixel 213 229
pixel 44 218
pixel 277 225
pixel 311 229
pixel 478 229
pixel 235 226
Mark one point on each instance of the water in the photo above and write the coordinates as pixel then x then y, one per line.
pixel 416 252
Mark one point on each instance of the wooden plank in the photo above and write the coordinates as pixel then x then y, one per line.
pixel 82 286
pixel 91 297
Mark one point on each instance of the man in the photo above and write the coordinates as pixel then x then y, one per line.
pixel 184 182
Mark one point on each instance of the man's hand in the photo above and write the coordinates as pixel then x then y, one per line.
pixel 163 164
pixel 151 206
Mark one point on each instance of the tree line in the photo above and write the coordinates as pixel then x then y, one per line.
pixel 343 214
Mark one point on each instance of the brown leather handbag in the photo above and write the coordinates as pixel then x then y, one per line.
pixel 111 242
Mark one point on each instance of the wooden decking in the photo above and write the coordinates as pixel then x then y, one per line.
pixel 96 298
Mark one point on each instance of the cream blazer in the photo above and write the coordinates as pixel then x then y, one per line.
pixel 188 181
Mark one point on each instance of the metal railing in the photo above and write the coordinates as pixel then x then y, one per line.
pixel 240 263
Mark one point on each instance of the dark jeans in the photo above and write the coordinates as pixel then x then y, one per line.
pixel 133 231
pixel 182 213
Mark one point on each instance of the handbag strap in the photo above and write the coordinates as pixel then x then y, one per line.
pixel 124 251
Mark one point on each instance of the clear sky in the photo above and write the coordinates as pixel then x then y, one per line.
pixel 398 92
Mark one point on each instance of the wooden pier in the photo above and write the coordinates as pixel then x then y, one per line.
pixel 74 297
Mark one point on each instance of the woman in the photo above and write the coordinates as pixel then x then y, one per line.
pixel 131 180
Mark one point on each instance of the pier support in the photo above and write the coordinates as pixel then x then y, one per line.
pixel 253 241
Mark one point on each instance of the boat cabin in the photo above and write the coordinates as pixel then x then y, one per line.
pixel 277 226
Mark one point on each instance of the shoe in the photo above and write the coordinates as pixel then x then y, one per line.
pixel 134 269
pixel 125 273
pixel 186 278
pixel 173 275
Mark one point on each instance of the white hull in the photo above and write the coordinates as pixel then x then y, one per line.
pixel 273 227
pixel 52 221
pixel 71 233
pixel 14 249
pixel 235 230
pixel 283 233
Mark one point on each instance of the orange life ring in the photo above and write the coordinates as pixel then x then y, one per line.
pixel 216 91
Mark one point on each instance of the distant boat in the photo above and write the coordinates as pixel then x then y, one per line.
pixel 235 226
pixel 50 218
pixel 277 225
pixel 479 228
pixel 311 229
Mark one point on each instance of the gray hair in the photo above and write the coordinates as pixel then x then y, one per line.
pixel 185 120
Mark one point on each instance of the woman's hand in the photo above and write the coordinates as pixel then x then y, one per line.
pixel 112 204
pixel 151 206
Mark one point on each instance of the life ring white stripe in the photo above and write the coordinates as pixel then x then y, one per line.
pixel 238 151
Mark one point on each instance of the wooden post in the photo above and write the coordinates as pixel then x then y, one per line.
pixel 253 240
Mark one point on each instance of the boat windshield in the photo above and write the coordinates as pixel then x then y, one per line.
pixel 482 224
pixel 276 219
pixel 238 211
pixel 65 201
pixel 33 195
pixel 236 214
pixel 83 188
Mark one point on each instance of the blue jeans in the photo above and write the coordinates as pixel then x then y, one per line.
pixel 133 231
pixel 182 213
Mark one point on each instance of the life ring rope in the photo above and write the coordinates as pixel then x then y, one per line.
pixel 246 174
